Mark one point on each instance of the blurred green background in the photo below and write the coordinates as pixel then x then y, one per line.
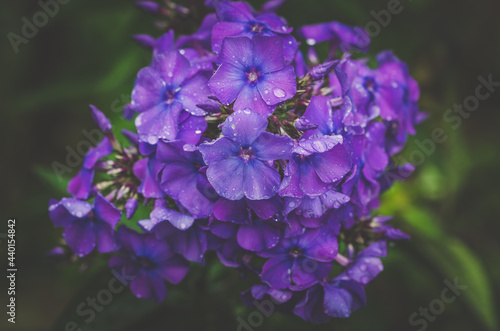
pixel 449 206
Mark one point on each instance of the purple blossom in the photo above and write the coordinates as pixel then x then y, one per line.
pixel 238 19
pixel 299 262
pixel 259 235
pixel 367 264
pixel 162 91
pixel 149 261
pixel 338 34
pixel 191 243
pixel 180 177
pixel 86 226
pixel 253 74
pixel 238 163
pixel 316 166
pixel 239 211
pixel 146 170
pixel 337 298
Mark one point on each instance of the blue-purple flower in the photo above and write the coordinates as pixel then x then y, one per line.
pixel 162 92
pixel 253 74
pixel 316 166
pixel 239 19
pixel 239 162
pixel 86 226
pixel 148 261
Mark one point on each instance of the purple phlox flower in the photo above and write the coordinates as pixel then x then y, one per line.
pixel 190 243
pixel 336 298
pixel 404 111
pixel 190 131
pixel 261 290
pixel 238 162
pixel 259 235
pixel 390 92
pixel 344 216
pixel 179 177
pixel 299 262
pixel 375 155
pixel 269 299
pixel 146 170
pixel 80 186
pixel 192 47
pixel 317 165
pixel 238 19
pixel 240 211
pixel 338 34
pixel 160 94
pixel 379 224
pixel 371 161
pixel 253 74
pixel 367 264
pixel 86 226
pixel 149 262
pixel 314 207
pixel 320 118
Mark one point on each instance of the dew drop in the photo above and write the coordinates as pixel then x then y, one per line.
pixel 152 140
pixel 311 42
pixel 279 93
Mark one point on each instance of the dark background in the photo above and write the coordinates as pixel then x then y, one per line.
pixel 450 205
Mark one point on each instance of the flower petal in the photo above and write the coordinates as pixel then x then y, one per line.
pixel 226 176
pixel 227 83
pixel 80 236
pixel 260 180
pixel 270 147
pixel 250 98
pixel 148 285
pixel 244 127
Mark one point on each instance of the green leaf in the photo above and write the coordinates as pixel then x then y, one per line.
pixel 455 260
pixel 59 184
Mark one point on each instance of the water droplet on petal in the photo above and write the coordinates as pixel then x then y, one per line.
pixel 152 140
pixel 311 41
pixel 279 93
